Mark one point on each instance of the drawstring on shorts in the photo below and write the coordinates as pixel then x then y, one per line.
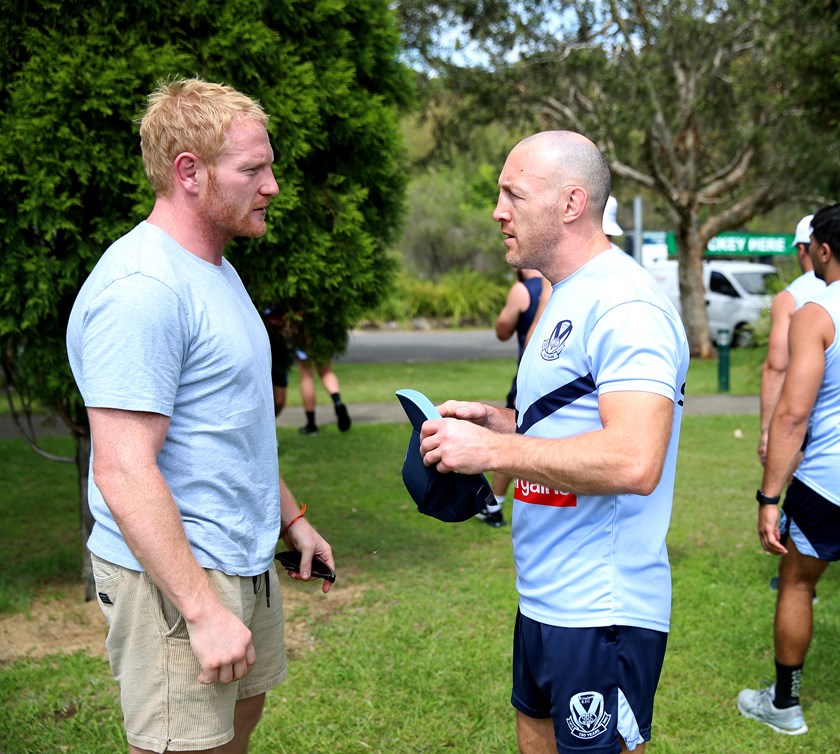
pixel 256 582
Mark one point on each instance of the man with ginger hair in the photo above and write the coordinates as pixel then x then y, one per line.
pixel 592 445
pixel 174 366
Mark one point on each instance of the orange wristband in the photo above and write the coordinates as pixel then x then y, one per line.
pixel 291 523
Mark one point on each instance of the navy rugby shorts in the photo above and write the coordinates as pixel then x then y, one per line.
pixel 811 521
pixel 595 683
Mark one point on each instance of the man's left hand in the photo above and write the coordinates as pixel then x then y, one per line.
pixel 455 445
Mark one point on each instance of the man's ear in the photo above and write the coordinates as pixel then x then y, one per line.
pixel 186 171
pixel 825 253
pixel 573 202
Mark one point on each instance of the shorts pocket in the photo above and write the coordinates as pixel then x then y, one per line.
pixel 108 578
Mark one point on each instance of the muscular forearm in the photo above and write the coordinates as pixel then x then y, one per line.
pixel 787 431
pixel 589 464
pixel 625 456
pixel 771 388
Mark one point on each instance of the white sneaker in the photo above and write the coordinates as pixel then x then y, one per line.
pixel 757 704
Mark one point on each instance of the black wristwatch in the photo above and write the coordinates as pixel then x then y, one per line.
pixel 765 500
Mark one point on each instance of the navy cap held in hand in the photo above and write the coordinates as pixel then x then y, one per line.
pixel 448 497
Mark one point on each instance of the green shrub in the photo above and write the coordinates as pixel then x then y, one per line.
pixel 457 298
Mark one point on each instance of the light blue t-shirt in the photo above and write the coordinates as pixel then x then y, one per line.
pixel 820 466
pixel 156 329
pixel 590 560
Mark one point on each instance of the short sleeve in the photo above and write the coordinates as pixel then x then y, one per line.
pixel 133 345
pixel 636 346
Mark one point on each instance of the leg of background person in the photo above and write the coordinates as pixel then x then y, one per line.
pixel 328 378
pixel 500 485
pixel 492 514
pixel 307 394
pixel 500 482
pixel 279 399
pixel 793 624
pixel 330 382
pixel 535 735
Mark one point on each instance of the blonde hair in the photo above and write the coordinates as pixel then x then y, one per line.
pixel 189 115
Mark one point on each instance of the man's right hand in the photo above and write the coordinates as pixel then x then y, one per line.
pixel 222 643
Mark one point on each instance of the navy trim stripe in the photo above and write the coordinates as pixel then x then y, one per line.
pixel 555 400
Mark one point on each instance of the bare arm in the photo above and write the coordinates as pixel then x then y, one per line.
pixel 302 537
pixel 126 445
pixel 775 365
pixel 811 332
pixel 517 302
pixel 625 456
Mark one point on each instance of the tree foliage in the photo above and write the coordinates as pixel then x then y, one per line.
pixel 73 80
pixel 75 77
pixel 449 224
pixel 694 99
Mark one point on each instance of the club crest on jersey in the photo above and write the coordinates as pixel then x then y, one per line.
pixel 589 718
pixel 553 346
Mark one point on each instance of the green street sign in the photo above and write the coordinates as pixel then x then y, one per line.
pixel 742 245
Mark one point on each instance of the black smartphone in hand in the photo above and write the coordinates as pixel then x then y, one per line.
pixel 290 560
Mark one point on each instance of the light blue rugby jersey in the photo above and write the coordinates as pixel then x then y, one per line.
pixel 584 560
pixel 820 467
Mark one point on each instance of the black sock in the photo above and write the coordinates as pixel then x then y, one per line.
pixel 336 398
pixel 310 419
pixel 788 678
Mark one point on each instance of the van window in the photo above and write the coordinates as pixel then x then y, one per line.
pixel 719 284
pixel 755 282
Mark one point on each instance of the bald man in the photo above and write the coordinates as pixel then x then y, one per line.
pixel 592 445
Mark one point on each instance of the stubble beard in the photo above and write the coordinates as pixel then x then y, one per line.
pixel 529 259
pixel 224 219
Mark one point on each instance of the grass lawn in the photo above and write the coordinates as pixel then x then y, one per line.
pixel 489 379
pixel 410 652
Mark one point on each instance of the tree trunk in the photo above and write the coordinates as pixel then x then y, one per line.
pixel 690 248
pixel 85 517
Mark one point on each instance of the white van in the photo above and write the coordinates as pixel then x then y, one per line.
pixel 736 292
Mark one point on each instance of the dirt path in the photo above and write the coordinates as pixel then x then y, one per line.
pixel 67 624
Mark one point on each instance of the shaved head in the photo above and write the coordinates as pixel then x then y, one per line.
pixel 552 192
pixel 571 159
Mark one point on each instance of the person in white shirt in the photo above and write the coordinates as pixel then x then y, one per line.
pixel 785 303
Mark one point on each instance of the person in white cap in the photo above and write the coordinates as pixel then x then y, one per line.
pixel 610 221
pixel 785 303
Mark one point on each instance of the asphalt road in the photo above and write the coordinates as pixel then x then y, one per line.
pixel 394 346
pixel 406 346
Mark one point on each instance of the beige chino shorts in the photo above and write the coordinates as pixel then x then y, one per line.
pixel 165 708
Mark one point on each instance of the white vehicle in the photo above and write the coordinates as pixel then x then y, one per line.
pixel 736 292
